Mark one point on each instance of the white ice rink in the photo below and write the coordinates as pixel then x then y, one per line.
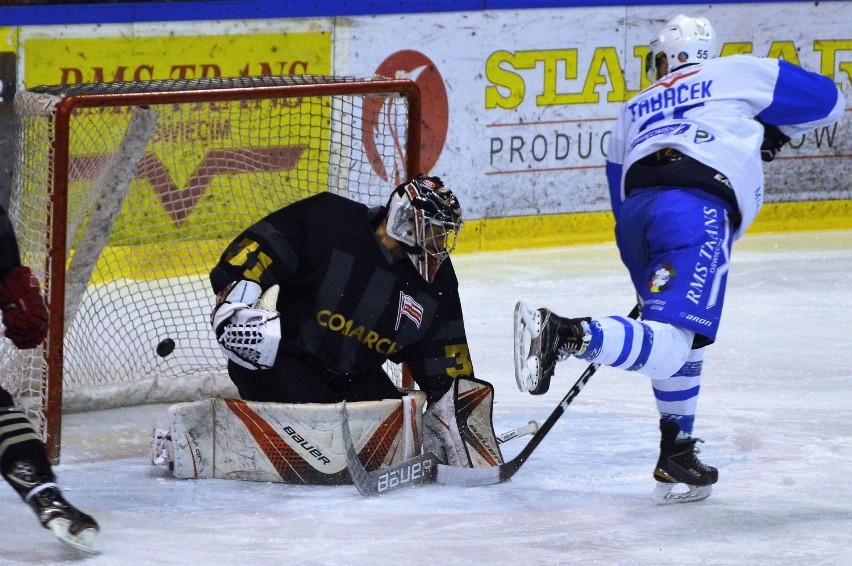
pixel 775 412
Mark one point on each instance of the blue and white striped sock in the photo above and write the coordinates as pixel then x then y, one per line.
pixel 677 396
pixel 654 349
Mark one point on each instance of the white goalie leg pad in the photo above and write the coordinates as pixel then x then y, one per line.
pixel 192 437
pixel 290 443
pixel 458 428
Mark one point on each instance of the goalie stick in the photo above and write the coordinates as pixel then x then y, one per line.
pixel 414 471
pixel 468 477
pixel 529 428
pixel 426 468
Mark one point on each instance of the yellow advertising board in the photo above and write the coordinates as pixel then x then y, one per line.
pixel 187 187
pixel 52 61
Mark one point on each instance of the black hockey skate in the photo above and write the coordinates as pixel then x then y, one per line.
pixel 679 464
pixel 543 338
pixel 68 524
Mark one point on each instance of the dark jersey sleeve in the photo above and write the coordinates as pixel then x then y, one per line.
pixel 267 252
pixel 9 255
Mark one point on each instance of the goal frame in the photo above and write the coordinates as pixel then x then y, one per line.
pixel 59 153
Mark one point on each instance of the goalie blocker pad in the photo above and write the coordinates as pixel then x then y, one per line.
pixel 458 428
pixel 290 443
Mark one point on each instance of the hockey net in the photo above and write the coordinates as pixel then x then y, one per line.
pixel 126 194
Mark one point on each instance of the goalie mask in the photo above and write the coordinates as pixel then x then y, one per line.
pixel 682 41
pixel 424 216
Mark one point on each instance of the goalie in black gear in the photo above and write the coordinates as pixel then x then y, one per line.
pixel 23 459
pixel 315 297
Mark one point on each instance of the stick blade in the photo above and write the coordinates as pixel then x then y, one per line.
pixel 414 471
pixel 467 477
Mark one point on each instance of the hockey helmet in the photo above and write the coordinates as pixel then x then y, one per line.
pixel 424 216
pixel 682 41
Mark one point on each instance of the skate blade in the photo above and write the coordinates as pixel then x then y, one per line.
pixel 527 329
pixel 86 540
pixel 665 494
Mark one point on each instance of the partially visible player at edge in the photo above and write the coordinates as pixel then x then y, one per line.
pixel 686 180
pixel 23 459
pixel 356 286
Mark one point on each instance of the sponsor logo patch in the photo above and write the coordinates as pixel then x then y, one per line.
pixel 410 308
pixel 669 130
pixel 703 136
pixel 662 278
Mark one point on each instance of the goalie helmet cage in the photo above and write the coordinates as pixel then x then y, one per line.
pixel 125 195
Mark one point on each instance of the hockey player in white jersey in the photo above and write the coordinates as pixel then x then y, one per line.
pixel 685 175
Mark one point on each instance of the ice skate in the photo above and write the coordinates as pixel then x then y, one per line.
pixel 679 465
pixel 68 524
pixel 543 338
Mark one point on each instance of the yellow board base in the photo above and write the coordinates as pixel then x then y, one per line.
pixel 519 232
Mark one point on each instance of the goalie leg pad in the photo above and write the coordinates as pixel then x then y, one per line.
pixel 458 427
pixel 290 443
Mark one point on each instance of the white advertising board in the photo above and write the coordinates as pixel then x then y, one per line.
pixel 531 95
pixel 518 103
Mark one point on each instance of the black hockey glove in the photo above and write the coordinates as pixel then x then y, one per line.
pixel 773 140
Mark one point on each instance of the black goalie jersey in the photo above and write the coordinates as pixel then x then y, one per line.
pixel 345 301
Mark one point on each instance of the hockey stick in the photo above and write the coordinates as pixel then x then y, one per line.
pixel 367 482
pixel 454 475
pixel 414 471
pixel 426 468
pixel 529 428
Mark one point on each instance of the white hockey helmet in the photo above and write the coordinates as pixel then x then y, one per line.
pixel 682 41
pixel 424 216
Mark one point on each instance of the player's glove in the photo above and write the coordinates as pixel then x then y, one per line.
pixel 24 312
pixel 773 140
pixel 246 324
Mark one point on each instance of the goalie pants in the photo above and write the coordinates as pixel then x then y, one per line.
pixel 299 378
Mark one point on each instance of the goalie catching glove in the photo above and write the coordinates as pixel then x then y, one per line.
pixel 24 313
pixel 458 429
pixel 246 324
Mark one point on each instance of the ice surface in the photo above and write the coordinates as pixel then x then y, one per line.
pixel 775 411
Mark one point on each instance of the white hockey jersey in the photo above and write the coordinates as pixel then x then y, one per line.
pixel 708 112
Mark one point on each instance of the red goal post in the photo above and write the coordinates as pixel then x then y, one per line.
pixel 126 193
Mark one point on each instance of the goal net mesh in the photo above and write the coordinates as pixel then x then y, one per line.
pixel 157 178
